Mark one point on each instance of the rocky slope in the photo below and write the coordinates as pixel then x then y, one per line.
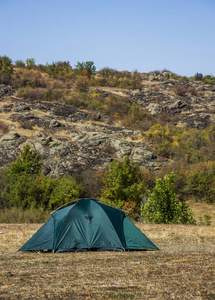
pixel 72 140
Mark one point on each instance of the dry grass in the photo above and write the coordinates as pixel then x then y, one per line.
pixel 183 269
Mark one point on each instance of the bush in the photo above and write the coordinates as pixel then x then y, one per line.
pixel 66 189
pixel 82 84
pixel 19 63
pixel 124 183
pixel 29 162
pixel 32 79
pixel 6 70
pixel 114 78
pixel 198 76
pixel 209 79
pixel 16 215
pixel 30 63
pixel 179 90
pixel 201 182
pixel 163 205
pixel 87 66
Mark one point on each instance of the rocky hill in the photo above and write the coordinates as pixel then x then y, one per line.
pixel 72 139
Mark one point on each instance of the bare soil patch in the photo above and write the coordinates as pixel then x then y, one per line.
pixel 183 269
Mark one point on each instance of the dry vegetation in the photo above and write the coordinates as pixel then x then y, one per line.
pixel 183 269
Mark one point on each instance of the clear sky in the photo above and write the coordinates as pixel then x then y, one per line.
pixel 143 35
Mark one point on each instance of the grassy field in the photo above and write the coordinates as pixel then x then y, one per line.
pixel 183 269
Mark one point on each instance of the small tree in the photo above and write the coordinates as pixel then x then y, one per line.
pixel 29 162
pixel 19 63
pixel 30 63
pixel 6 70
pixel 198 76
pixel 22 187
pixel 88 66
pixel 66 189
pixel 163 205
pixel 124 184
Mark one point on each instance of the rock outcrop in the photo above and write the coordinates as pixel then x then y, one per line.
pixel 72 140
pixel 68 140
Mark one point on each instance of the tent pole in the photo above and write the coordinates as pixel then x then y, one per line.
pixel 86 198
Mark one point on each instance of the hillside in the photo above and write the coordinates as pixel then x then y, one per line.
pixel 80 121
pixel 72 139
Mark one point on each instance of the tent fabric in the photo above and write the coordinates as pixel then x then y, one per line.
pixel 88 225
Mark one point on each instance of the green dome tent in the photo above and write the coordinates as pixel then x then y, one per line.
pixel 88 225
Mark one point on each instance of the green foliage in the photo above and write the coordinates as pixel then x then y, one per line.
pixel 60 70
pixel 124 183
pixel 29 162
pixel 22 191
pixel 30 63
pixel 19 63
pixel 87 66
pixel 66 189
pixel 6 70
pixel 123 79
pixel 16 215
pixel 198 76
pixel 163 205
pixel 23 186
pixel 209 79
pixel 206 220
pixel 201 182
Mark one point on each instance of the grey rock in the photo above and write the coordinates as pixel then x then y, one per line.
pixel 139 154
pixel 54 123
pixel 154 108
pixel 12 135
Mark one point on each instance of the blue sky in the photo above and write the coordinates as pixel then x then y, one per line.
pixel 141 35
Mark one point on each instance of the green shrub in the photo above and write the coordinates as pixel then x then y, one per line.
pixel 201 182
pixel 163 205
pixel 114 78
pixel 29 162
pixel 16 215
pixel 209 79
pixel 19 63
pixel 198 76
pixel 66 189
pixel 124 183
pixel 32 79
pixel 6 70
pixel 206 220
pixel 30 63
pixel 87 66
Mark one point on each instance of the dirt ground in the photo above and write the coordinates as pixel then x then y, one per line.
pixel 182 269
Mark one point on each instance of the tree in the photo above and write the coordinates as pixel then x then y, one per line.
pixel 163 205
pixel 66 189
pixel 22 191
pixel 29 162
pixel 30 63
pixel 198 76
pixel 22 187
pixel 124 184
pixel 6 70
pixel 87 66
pixel 19 63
